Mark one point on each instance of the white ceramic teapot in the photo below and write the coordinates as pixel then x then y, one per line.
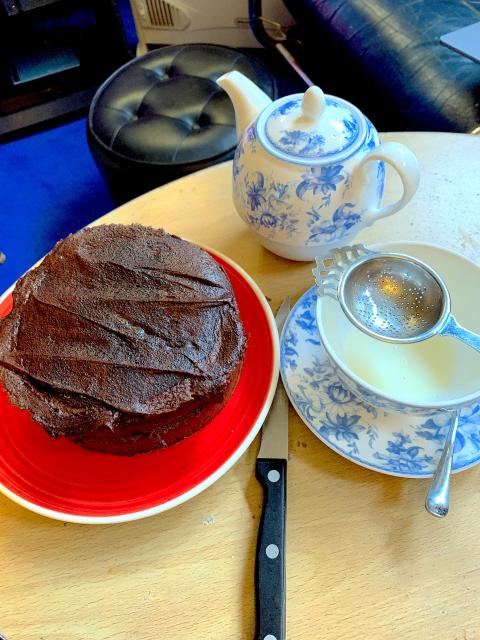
pixel 309 169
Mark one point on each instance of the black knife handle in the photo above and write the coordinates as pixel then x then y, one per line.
pixel 270 559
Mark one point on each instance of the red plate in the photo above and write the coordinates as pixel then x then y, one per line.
pixel 61 480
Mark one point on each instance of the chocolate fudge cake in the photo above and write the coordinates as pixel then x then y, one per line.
pixel 124 339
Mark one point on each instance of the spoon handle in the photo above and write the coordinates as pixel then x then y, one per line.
pixel 437 500
pixel 452 328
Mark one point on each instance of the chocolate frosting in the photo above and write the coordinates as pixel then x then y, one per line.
pixel 119 322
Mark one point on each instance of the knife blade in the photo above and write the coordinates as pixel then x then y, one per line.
pixel 271 472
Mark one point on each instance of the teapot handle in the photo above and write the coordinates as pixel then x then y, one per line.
pixel 405 164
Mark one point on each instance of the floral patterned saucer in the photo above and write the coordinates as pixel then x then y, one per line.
pixel 398 445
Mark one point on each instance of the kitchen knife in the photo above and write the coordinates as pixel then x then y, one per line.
pixel 271 472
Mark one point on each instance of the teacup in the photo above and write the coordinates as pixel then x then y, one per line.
pixel 421 378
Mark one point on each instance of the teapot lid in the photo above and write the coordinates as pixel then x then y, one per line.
pixel 311 127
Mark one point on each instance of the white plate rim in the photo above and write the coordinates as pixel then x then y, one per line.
pixel 228 464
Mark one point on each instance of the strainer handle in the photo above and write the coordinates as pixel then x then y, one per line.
pixel 405 164
pixel 452 328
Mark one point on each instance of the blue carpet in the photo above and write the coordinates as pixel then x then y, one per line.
pixel 50 187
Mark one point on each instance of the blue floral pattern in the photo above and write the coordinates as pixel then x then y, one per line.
pixel 318 209
pixel 371 139
pixel 322 180
pixel 269 206
pixel 387 442
pixel 344 218
pixel 255 189
pixel 301 143
pixel 351 125
pixel 309 142
pixel 286 107
pixel 252 138
pixel 380 180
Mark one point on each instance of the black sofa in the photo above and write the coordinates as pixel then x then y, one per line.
pixel 385 56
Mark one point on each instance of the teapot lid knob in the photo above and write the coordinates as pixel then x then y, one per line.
pixel 313 103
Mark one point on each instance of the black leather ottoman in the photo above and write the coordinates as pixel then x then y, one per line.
pixel 162 116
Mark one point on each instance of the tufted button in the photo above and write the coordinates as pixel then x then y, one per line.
pixel 163 115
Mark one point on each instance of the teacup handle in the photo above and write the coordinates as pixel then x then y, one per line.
pixel 405 164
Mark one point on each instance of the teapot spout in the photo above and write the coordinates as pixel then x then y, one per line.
pixel 248 100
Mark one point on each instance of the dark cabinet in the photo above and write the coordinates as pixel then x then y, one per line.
pixel 53 56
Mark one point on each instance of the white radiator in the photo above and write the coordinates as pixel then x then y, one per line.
pixel 222 22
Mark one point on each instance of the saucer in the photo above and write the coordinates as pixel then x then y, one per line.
pixel 391 443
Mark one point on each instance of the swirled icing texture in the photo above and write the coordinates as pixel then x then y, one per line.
pixel 124 339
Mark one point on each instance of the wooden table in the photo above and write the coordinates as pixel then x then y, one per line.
pixel 364 559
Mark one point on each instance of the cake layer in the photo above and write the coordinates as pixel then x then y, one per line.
pixel 121 326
